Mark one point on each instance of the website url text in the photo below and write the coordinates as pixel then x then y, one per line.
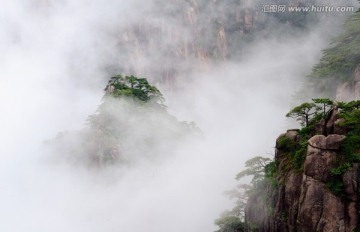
pixel 300 9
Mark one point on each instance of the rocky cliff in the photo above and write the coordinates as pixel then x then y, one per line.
pixel 192 33
pixel 350 89
pixel 184 36
pixel 314 190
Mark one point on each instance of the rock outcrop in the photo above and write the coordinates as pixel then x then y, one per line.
pixel 351 89
pixel 308 199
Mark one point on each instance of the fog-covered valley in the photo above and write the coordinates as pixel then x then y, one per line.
pixel 56 59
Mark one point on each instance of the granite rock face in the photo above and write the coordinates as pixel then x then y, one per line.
pixel 303 200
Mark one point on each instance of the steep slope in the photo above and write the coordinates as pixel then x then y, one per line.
pixel 337 75
pixel 316 189
pixel 194 35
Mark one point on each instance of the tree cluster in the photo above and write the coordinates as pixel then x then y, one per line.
pixel 339 62
pixel 132 121
pixel 309 112
pixel 264 172
pixel 131 86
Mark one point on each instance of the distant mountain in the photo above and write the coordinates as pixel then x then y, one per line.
pixel 130 125
pixel 185 35
pixel 337 74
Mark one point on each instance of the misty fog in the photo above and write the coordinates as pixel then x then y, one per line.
pixel 56 58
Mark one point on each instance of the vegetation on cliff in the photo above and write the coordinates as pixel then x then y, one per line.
pixel 314 118
pixel 133 87
pixel 131 122
pixel 325 125
pixel 263 180
pixel 338 62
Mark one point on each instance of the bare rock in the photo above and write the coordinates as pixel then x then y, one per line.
pixel 357 73
pixel 338 128
pixel 304 201
pixel 318 164
pixel 292 194
pixel 329 127
pixel 293 134
pixel 317 141
pixel 332 218
pixel 320 127
pixel 349 90
pixel 320 210
pixel 357 90
pixel 352 216
pixel 331 142
pixel 311 203
pixel 344 92
pixel 351 182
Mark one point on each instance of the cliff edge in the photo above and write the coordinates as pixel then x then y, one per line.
pixel 315 185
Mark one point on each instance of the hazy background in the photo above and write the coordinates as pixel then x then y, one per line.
pixel 55 58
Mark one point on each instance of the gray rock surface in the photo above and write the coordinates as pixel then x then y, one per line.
pixel 303 201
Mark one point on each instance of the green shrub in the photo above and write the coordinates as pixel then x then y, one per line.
pixel 336 186
pixel 228 223
pixel 340 60
pixel 285 144
pixel 298 158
